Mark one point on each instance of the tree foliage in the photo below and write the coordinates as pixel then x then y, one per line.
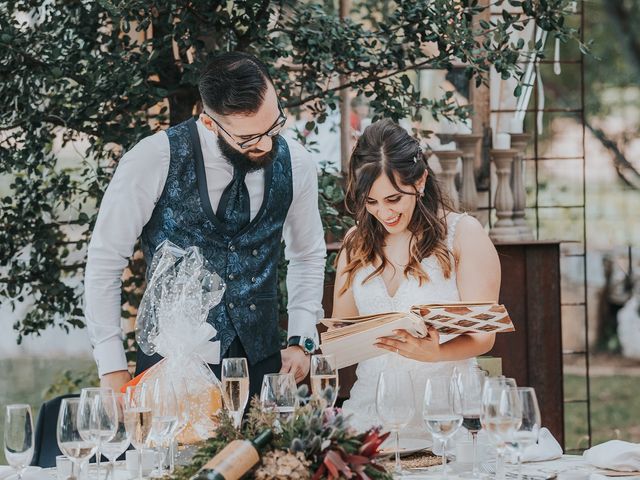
pixel 99 75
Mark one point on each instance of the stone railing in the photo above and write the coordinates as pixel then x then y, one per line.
pixel 509 199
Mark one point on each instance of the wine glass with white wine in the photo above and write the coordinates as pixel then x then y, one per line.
pixel 71 441
pixel 324 378
pixel 501 415
pixel 235 387
pixel 442 411
pixel 138 418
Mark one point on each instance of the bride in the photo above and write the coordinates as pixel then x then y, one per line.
pixel 408 247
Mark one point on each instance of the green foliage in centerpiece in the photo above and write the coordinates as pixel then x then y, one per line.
pixel 316 443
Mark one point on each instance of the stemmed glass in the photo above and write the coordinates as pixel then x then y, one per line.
pixel 279 392
pixel 164 419
pixel 501 415
pixel 137 418
pixel 235 385
pixel 471 383
pixel 529 429
pixel 97 418
pixel 115 447
pixel 395 405
pixel 442 411
pixel 324 376
pixel 184 411
pixel 70 439
pixel 18 437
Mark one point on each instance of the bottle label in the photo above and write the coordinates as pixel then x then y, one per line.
pixel 234 460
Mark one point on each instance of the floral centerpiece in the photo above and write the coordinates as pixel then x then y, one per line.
pixel 315 443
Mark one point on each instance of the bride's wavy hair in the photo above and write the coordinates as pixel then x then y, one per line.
pixel 386 148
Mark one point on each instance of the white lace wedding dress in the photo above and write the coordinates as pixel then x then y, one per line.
pixel 373 297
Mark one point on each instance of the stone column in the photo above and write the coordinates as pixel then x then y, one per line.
pixel 449 163
pixel 504 230
pixel 468 143
pixel 519 143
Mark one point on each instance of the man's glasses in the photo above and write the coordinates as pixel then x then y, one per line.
pixel 274 130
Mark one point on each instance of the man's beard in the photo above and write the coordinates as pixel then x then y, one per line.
pixel 242 161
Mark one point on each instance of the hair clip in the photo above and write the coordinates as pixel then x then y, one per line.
pixel 415 159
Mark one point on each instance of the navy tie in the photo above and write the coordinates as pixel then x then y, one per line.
pixel 234 209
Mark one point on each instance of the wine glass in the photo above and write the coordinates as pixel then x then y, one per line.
pixel 18 437
pixel 184 412
pixel 235 385
pixel 324 376
pixel 442 411
pixel 529 429
pixel 471 383
pixel 279 392
pixel 115 447
pixel 501 415
pixel 71 441
pixel 97 418
pixel 137 418
pixel 395 405
pixel 164 419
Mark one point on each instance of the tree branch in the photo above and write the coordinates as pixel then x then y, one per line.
pixel 624 168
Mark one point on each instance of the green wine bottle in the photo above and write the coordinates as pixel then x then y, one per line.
pixel 234 460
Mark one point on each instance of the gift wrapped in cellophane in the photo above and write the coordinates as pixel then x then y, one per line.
pixel 172 321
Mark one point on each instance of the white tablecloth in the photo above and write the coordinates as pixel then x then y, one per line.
pixel 570 464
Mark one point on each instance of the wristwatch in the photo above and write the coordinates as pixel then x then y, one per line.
pixel 307 344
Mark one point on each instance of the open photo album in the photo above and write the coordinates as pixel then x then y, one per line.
pixel 352 339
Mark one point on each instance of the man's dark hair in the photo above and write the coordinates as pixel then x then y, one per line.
pixel 234 83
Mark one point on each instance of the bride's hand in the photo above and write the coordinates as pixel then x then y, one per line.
pixel 425 349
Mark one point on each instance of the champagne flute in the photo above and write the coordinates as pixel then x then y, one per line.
pixel 121 440
pixel 529 429
pixel 471 383
pixel 442 411
pixel 501 415
pixel 395 405
pixel 70 439
pixel 97 418
pixel 279 393
pixel 324 378
pixel 164 419
pixel 18 437
pixel 137 418
pixel 235 385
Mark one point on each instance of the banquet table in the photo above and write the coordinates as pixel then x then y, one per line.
pixel 571 467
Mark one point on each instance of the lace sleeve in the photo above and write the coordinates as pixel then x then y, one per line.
pixel 452 223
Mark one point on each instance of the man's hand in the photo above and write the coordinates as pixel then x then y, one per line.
pixel 295 361
pixel 115 380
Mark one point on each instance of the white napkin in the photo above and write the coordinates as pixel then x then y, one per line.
pixel 615 455
pixel 31 473
pixel 547 448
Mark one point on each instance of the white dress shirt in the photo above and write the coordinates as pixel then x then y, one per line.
pixel 128 205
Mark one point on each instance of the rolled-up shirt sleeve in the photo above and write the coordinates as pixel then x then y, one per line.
pixel 126 207
pixel 305 248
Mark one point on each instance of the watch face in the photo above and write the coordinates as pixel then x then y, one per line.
pixel 309 346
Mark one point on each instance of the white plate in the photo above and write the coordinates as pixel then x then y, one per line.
pixel 407 445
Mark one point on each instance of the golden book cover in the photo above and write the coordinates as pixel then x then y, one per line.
pixel 351 339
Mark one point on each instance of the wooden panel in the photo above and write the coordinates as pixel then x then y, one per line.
pixel 533 354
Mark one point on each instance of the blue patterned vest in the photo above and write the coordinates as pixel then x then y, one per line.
pixel 247 261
